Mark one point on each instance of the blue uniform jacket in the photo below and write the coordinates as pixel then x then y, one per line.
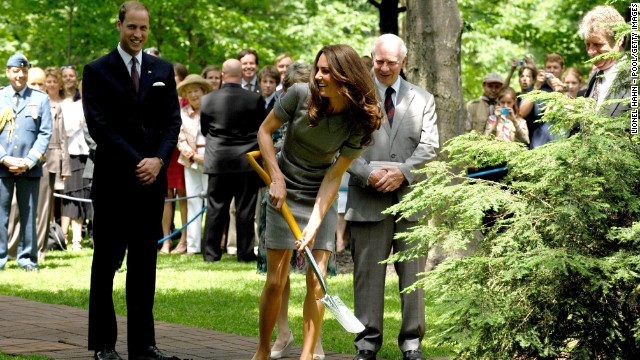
pixel 31 129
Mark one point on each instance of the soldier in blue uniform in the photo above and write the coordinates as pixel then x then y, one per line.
pixel 25 129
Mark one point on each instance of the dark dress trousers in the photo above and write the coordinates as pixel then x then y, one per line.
pixel 127 127
pixel 230 118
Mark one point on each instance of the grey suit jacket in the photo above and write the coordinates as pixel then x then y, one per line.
pixel 412 141
pixel 616 109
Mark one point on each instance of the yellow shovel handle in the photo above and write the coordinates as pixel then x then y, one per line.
pixel 286 212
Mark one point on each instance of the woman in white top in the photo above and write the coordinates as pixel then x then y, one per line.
pixel 191 144
pixel 73 211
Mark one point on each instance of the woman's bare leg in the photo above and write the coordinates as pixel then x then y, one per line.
pixel 183 214
pixel 167 218
pixel 313 312
pixel 283 319
pixel 271 298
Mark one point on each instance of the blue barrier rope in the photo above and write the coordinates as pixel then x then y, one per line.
pixel 486 172
pixel 183 226
pixel 202 195
pixel 71 198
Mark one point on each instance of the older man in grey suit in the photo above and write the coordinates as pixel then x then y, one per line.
pixel 596 29
pixel 379 179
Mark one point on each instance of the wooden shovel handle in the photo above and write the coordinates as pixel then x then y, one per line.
pixel 288 217
pixel 286 212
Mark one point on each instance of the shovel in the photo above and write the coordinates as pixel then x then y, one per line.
pixel 333 303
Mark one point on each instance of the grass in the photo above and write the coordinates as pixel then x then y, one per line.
pixel 222 296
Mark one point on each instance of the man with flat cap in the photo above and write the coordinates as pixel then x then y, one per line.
pixel 479 110
pixel 25 130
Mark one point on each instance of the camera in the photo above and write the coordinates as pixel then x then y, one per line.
pixel 521 62
pixel 548 76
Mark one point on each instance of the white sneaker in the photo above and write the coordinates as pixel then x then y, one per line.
pixel 76 247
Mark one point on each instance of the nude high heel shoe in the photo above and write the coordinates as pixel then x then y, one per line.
pixel 181 248
pixel 279 354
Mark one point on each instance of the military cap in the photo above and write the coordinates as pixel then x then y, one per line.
pixel 18 60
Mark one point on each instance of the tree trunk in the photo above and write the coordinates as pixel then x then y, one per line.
pixel 434 31
pixel 389 11
pixel 72 5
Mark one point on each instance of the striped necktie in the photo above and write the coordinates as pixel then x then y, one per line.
pixel 388 104
pixel 595 93
pixel 135 77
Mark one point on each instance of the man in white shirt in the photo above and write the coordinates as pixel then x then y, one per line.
pixel 596 30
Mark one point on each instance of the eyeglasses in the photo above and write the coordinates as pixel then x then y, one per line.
pixel 390 64
pixel 67 67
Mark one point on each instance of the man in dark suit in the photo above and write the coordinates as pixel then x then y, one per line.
pixel 25 131
pixel 230 118
pixel 269 79
pixel 131 107
pixel 596 29
pixel 379 179
pixel 249 60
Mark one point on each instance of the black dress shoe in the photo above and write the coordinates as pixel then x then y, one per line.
pixel 151 353
pixel 249 258
pixel 365 355
pixel 412 355
pixel 107 354
pixel 31 268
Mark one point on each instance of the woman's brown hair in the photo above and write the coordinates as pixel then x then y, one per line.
pixel 511 92
pixel 356 85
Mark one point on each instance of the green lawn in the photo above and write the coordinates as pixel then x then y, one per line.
pixel 192 292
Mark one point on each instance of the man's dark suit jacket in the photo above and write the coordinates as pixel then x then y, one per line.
pixel 127 127
pixel 230 118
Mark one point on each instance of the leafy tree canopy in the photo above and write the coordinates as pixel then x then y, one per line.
pixel 192 32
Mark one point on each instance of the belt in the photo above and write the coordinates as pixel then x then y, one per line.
pixel 200 146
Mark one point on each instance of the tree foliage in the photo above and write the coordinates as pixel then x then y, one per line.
pixel 193 32
pixel 557 271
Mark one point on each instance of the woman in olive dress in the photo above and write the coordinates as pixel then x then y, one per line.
pixel 330 120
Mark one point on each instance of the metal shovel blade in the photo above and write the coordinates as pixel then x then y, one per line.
pixel 341 312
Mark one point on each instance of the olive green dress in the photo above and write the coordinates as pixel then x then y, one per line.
pixel 306 155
